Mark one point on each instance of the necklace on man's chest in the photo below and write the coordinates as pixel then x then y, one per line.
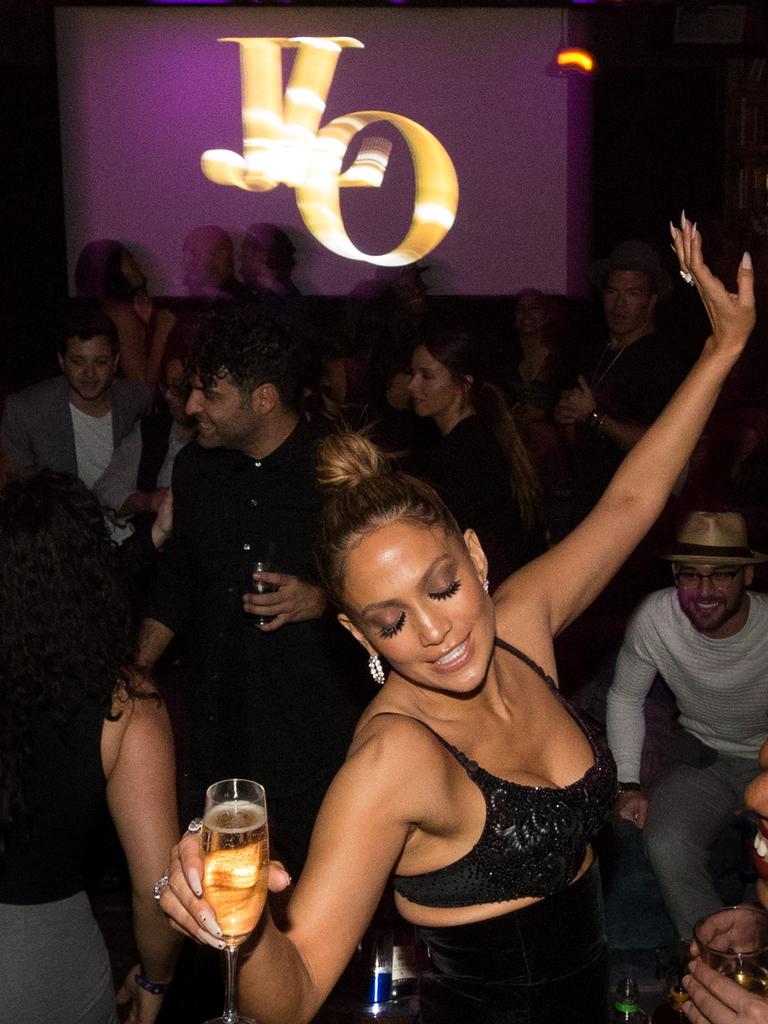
pixel 597 376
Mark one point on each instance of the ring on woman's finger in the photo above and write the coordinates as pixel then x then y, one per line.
pixel 687 276
pixel 195 825
pixel 159 887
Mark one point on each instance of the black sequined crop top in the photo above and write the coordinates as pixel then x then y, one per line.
pixel 534 838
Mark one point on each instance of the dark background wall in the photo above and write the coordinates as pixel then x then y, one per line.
pixel 34 271
pixel 656 149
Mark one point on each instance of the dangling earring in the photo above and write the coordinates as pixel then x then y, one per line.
pixel 374 667
pixel 486 585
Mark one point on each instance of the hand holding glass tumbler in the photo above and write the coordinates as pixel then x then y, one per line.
pixel 260 562
pixel 734 941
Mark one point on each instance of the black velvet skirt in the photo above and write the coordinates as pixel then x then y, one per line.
pixel 544 964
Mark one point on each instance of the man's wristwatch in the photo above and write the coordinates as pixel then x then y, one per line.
pixel 596 420
pixel 630 787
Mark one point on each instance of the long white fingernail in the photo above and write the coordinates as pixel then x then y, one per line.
pixel 209 940
pixel 682 219
pixel 194 880
pixel 746 261
pixel 210 925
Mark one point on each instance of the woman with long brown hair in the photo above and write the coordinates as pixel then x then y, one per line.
pixel 479 465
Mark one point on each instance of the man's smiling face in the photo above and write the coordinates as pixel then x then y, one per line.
pixel 714 597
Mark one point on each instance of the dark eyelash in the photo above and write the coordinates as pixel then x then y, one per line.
pixel 449 591
pixel 441 595
pixel 389 631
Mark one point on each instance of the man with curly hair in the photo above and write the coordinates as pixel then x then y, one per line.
pixel 265 691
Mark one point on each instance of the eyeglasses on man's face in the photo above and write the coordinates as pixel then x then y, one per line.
pixel 718 578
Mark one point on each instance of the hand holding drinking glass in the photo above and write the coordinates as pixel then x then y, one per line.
pixel 235 868
pixel 261 579
pixel 734 942
pixel 182 898
pixel 291 600
pixel 715 999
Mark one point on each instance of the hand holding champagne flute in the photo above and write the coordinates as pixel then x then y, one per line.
pixel 235 869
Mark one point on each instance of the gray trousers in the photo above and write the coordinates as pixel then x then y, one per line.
pixel 688 807
pixel 54 967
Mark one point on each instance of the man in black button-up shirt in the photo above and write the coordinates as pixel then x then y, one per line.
pixel 270 702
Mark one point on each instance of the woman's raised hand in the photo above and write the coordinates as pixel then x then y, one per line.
pixel 732 316
pixel 182 899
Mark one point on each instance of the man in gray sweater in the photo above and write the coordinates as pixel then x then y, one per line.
pixel 708 638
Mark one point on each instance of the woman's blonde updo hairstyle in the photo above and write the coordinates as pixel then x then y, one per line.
pixel 363 494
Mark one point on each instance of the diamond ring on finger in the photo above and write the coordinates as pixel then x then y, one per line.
pixel 159 887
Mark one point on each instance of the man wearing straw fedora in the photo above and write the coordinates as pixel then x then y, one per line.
pixel 707 636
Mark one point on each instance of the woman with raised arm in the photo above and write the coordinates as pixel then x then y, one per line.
pixel 80 736
pixel 469 779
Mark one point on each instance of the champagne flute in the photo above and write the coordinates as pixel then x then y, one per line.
pixel 235 869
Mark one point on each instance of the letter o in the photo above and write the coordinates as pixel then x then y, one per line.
pixel 436 196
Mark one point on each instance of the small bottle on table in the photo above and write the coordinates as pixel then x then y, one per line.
pixel 626 1005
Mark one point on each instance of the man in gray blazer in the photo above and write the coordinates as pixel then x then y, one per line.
pixel 72 423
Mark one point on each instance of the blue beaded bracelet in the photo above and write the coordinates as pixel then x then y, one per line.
pixel 149 986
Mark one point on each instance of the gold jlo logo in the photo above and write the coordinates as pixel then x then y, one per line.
pixel 283 143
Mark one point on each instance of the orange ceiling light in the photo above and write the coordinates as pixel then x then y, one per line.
pixel 573 58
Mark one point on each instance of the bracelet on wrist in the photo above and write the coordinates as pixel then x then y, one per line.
pixel 596 420
pixel 630 787
pixel 156 988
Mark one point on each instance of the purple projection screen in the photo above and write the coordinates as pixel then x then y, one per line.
pixel 145 92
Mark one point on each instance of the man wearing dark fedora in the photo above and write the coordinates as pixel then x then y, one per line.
pixel 708 638
pixel 626 379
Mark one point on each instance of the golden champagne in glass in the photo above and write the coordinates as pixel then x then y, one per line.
pixel 235 869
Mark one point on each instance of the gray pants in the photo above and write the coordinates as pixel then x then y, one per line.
pixel 688 807
pixel 54 967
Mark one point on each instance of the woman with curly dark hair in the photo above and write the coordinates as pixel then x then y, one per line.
pixel 80 734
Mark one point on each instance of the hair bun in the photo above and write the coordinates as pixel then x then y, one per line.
pixel 346 460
